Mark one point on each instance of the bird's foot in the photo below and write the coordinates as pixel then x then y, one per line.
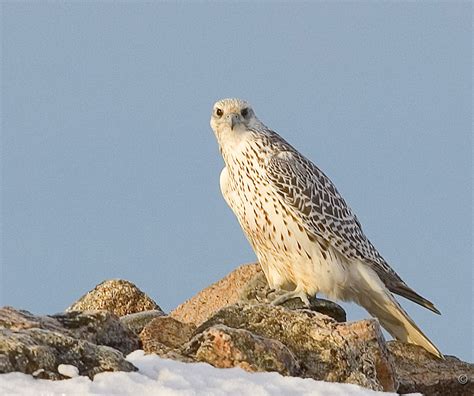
pixel 269 292
pixel 292 294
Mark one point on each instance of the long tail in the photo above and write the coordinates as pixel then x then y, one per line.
pixel 379 302
pixel 403 290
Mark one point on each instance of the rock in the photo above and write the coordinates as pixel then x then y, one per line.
pixel 419 371
pixel 118 296
pixel 237 328
pixel 368 334
pixel 224 347
pixel 257 291
pixel 165 334
pixel 18 319
pixel 224 292
pixel 92 341
pixel 245 284
pixel 137 321
pixel 39 352
pixel 98 327
pixel 325 350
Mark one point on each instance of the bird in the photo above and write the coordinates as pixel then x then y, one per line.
pixel 306 237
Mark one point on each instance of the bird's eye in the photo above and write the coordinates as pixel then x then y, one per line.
pixel 219 112
pixel 244 112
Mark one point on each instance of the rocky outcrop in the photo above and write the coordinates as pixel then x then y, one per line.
pixel 118 296
pixel 226 347
pixel 324 349
pixel 92 341
pixel 229 324
pixel 39 352
pixel 419 371
pixel 97 327
pixel 262 337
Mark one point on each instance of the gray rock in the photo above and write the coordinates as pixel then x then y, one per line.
pixel 98 327
pixel 224 347
pixel 93 341
pixel 39 352
pixel 118 296
pixel 19 319
pixel 325 350
pixel 137 321
pixel 419 371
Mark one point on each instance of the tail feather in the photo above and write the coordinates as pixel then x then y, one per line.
pixel 375 297
pixel 398 323
pixel 407 292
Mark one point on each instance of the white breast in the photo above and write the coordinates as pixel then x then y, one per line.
pixel 225 186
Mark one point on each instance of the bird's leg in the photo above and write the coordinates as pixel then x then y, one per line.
pixel 292 294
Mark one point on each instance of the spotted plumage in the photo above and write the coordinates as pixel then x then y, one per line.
pixel 306 237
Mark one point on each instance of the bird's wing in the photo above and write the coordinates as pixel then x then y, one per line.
pixel 323 212
pixel 318 205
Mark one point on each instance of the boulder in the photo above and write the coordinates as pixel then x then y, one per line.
pixel 98 327
pixel 208 301
pixel 39 352
pixel 91 341
pixel 224 347
pixel 20 319
pixel 165 334
pixel 324 349
pixel 419 371
pixel 137 321
pixel 118 296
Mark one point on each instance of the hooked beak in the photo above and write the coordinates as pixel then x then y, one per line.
pixel 233 119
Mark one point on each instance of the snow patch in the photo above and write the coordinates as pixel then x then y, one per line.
pixel 68 370
pixel 157 376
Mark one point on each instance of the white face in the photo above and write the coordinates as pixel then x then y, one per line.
pixel 231 115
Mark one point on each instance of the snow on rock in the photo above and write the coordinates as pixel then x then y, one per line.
pixel 172 378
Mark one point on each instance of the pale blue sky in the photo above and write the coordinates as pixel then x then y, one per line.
pixel 110 169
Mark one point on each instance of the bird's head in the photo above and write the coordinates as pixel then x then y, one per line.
pixel 232 116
